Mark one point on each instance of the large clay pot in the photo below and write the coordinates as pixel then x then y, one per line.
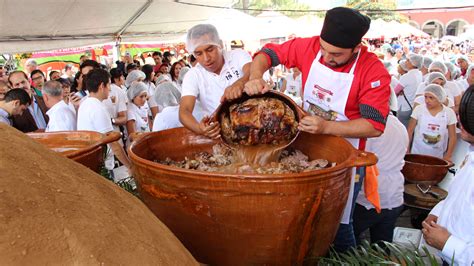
pixel 425 169
pixel 235 219
pixel 84 147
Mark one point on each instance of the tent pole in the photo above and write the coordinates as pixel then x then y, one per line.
pixel 134 17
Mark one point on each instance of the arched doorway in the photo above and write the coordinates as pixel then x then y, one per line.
pixel 433 28
pixel 456 27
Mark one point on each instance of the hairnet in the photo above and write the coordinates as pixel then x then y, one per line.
pixel 162 78
pixel 438 65
pixel 201 34
pixel 133 76
pixel 182 73
pixel 437 91
pixel 469 71
pixel 403 65
pixel 427 61
pixel 466 110
pixel 435 75
pixel 136 89
pixel 167 94
pixel 456 73
pixel 463 57
pixel 416 60
pixel 450 67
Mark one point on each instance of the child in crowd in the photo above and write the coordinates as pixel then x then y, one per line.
pixel 137 115
pixel 432 127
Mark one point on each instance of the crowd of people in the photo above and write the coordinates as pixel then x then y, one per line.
pixel 401 96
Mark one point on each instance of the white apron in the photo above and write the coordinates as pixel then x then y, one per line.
pixel 325 94
pixel 431 138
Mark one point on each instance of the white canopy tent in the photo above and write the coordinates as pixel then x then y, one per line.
pixel 38 25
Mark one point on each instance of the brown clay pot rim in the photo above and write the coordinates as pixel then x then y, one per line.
pixel 445 165
pixel 196 174
pixel 105 139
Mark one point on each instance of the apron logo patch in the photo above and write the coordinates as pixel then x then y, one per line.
pixel 375 84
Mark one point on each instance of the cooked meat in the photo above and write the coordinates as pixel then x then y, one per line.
pixel 259 121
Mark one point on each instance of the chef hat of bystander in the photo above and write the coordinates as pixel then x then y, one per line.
pixel 136 89
pixel 438 66
pixel 416 60
pixel 134 76
pixel 202 34
pixel 437 91
pixel 466 110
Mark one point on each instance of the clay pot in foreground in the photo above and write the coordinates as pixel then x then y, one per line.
pixel 235 219
pixel 84 147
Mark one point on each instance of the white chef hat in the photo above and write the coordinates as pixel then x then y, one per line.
pixel 167 94
pixel 416 60
pixel 437 91
pixel 134 76
pixel 438 65
pixel 136 89
pixel 202 34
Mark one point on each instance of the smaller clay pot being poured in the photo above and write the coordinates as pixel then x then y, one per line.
pixel 262 120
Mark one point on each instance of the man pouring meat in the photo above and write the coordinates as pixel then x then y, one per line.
pixel 219 74
pixel 346 88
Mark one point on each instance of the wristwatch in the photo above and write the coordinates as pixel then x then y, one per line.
pixel 113 121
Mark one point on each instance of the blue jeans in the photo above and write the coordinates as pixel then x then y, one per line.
pixel 345 238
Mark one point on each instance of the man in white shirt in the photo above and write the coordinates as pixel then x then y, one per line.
pixel 450 225
pixel 220 75
pixel 92 114
pixel 390 148
pixel 116 103
pixel 407 87
pixel 61 117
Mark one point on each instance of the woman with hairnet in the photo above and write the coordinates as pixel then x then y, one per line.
pixel 140 76
pixel 168 102
pixel 438 79
pixel 469 78
pixel 463 64
pixel 437 75
pixel 406 89
pixel 137 115
pixel 426 65
pixel 432 127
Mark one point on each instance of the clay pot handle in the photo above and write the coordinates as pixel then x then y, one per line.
pixel 450 164
pixel 111 137
pixel 364 158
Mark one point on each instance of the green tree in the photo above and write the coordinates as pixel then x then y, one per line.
pixel 378 9
pixel 257 5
